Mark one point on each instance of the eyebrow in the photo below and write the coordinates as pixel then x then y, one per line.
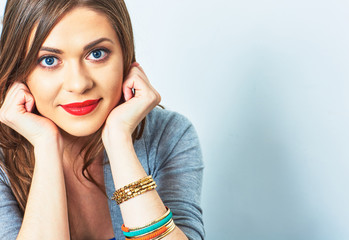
pixel 87 47
pixel 54 50
pixel 94 43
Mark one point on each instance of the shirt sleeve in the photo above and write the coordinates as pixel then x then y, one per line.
pixel 10 215
pixel 179 171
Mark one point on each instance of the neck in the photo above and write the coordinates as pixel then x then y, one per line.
pixel 73 150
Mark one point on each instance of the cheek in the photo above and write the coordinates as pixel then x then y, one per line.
pixel 43 88
pixel 113 90
pixel 110 80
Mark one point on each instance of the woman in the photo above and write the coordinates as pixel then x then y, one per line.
pixel 81 133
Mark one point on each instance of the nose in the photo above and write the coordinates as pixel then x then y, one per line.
pixel 77 79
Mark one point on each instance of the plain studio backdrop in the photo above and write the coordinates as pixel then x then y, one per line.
pixel 265 82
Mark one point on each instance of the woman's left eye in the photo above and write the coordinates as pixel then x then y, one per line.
pixel 98 54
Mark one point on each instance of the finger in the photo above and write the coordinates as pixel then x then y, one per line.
pixel 11 94
pixel 29 102
pixel 137 66
pixel 134 84
pixel 135 81
pixel 138 78
pixel 141 69
pixel 127 89
pixel 15 105
pixel 15 87
pixel 134 64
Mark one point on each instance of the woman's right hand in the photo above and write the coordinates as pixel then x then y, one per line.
pixel 16 112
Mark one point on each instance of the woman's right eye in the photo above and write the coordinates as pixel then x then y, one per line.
pixel 48 62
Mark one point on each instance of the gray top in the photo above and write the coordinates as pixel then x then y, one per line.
pixel 169 150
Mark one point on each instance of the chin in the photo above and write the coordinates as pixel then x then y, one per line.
pixel 80 131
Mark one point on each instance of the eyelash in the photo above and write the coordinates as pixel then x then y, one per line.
pixel 45 57
pixel 104 58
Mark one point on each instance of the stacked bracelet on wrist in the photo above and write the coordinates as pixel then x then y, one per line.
pixel 157 229
pixel 134 189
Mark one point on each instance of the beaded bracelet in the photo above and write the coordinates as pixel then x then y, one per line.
pixel 134 189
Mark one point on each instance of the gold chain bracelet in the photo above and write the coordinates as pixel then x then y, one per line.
pixel 134 189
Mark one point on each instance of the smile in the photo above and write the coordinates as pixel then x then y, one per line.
pixel 81 108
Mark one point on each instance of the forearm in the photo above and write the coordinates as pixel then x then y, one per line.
pixel 46 215
pixel 126 168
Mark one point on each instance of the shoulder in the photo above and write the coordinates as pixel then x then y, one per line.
pixel 163 116
pixel 161 123
pixel 169 136
pixel 166 131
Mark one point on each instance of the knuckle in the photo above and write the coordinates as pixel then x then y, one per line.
pixel 138 77
pixel 154 97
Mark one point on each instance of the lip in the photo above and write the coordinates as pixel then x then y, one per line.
pixel 81 108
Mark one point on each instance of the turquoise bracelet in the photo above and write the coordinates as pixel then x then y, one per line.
pixel 150 228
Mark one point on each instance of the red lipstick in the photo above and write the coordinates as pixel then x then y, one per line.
pixel 81 108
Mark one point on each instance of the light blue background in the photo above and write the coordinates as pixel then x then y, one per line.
pixel 265 82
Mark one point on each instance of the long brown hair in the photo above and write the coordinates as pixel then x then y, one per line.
pixel 17 60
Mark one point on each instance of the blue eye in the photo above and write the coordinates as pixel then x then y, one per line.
pixel 98 54
pixel 48 61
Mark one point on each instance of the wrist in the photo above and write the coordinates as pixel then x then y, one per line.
pixel 52 144
pixel 47 139
pixel 116 138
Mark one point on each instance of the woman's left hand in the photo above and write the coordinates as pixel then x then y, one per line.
pixel 124 118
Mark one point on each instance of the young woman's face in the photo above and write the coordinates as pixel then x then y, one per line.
pixel 78 77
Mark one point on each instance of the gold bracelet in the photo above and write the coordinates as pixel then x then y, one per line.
pixel 136 183
pixel 171 228
pixel 153 222
pixel 131 192
pixel 167 225
pixel 134 189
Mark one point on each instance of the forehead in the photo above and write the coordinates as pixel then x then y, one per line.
pixel 79 25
